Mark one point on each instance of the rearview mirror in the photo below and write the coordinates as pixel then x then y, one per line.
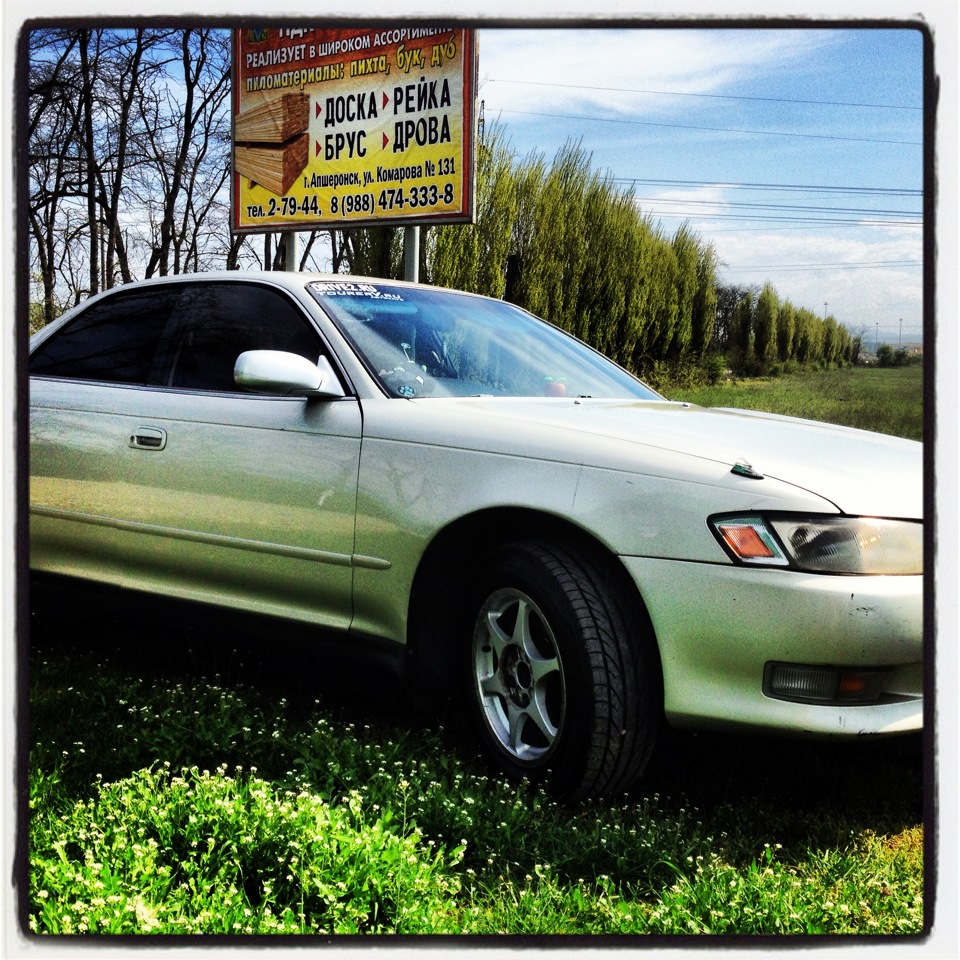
pixel 286 374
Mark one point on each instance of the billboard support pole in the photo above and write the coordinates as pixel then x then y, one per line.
pixel 291 250
pixel 411 254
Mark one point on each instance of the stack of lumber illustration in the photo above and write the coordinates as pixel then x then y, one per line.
pixel 271 145
pixel 275 121
pixel 273 167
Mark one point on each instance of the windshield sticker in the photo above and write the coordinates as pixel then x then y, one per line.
pixel 347 288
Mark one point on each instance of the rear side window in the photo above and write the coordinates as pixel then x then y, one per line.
pixel 114 340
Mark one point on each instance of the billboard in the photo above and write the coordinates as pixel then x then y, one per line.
pixel 351 127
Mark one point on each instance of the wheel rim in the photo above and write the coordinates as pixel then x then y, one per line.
pixel 518 676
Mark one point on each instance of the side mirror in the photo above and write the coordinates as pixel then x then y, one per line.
pixel 285 374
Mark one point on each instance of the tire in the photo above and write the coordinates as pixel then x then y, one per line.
pixel 563 674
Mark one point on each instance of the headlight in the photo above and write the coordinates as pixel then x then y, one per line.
pixel 823 544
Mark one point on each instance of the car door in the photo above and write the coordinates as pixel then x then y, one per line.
pixel 152 470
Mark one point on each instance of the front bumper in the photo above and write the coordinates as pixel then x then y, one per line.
pixel 718 626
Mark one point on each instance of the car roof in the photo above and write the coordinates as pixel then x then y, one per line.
pixel 293 279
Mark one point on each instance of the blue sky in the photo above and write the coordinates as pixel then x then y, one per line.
pixel 831 120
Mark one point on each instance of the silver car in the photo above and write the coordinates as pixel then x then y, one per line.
pixel 527 525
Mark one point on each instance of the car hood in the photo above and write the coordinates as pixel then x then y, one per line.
pixel 858 471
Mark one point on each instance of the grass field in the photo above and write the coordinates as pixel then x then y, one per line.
pixel 169 798
pixel 188 778
pixel 888 400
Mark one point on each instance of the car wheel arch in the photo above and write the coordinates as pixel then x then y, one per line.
pixel 452 561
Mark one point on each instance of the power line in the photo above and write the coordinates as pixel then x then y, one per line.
pixel 716 209
pixel 804 208
pixel 784 225
pixel 776 187
pixel 759 218
pixel 867 265
pixel 683 210
pixel 687 126
pixel 692 207
pixel 708 96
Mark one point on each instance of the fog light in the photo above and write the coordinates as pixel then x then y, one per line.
pixel 826 685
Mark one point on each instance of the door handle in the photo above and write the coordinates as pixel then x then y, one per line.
pixel 148 438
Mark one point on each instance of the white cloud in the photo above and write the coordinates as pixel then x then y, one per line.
pixel 604 66
pixel 855 273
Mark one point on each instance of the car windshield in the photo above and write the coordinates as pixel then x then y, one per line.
pixel 439 343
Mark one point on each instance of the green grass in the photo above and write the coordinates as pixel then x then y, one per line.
pixel 887 400
pixel 164 799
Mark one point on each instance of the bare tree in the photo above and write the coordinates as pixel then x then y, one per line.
pixel 125 70
pixel 52 129
pixel 184 122
pixel 129 157
pixel 88 77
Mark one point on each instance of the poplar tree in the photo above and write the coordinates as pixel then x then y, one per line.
pixel 786 322
pixel 765 328
pixel 661 269
pixel 704 302
pixel 638 241
pixel 475 256
pixel 831 349
pixel 523 285
pixel 604 285
pixel 564 234
pixel 809 336
pixel 741 333
pixel 687 255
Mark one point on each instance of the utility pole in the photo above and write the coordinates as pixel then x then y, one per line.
pixel 291 250
pixel 900 339
pixel 876 342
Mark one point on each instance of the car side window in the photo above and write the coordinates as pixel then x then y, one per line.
pixel 216 322
pixel 115 340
